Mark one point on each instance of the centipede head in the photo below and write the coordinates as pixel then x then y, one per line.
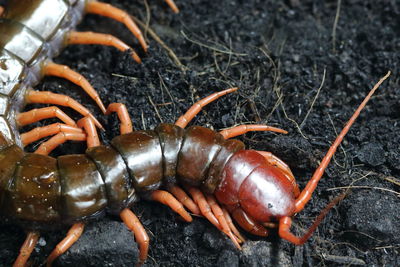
pixel 261 190
pixel 266 195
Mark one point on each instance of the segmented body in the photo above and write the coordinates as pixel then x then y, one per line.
pixel 30 36
pixel 38 190
pixel 33 36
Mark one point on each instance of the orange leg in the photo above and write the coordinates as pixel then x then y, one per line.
pixel 72 236
pixel 1 10
pixel 172 5
pixel 184 199
pixel 242 129
pixel 60 138
pixel 133 223
pixel 100 39
pixel 123 115
pixel 286 222
pixel 231 225
pixel 35 115
pixel 26 249
pixel 219 214
pixel 196 108
pixel 110 11
pixel 44 97
pixel 305 195
pixel 90 129
pixel 275 161
pixel 167 199
pixel 62 71
pixel 188 203
pixel 207 209
pixel 41 132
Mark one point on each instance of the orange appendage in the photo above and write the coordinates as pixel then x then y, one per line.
pixel 117 14
pixel 196 108
pixel 100 39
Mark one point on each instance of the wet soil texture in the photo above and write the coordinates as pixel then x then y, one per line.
pixel 303 66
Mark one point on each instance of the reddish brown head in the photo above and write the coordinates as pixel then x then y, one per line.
pixel 261 190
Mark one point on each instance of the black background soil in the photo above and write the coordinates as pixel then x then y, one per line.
pixel 278 53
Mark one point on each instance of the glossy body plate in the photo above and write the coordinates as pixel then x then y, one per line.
pixel 228 149
pixel 9 157
pixel 119 188
pixel 83 193
pixel 11 73
pixel 200 146
pixel 142 153
pixel 36 15
pixel 15 36
pixel 260 189
pixel 171 138
pixel 35 182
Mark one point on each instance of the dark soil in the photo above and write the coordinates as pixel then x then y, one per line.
pixel 278 53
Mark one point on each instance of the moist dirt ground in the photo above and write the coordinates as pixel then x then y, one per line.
pixel 303 66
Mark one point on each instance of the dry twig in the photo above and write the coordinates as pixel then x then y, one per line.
pixel 315 98
pixel 170 52
pixel 227 51
pixel 339 3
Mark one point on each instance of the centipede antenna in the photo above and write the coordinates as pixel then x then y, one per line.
pixel 305 195
pixel 286 222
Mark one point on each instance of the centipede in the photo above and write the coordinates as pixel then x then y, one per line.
pixel 192 170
